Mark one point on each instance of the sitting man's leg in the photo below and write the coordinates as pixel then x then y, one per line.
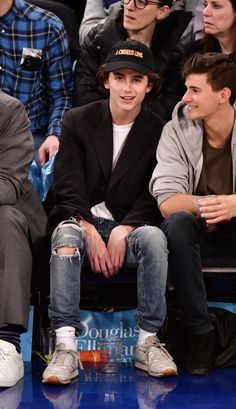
pixel 185 235
pixel 15 278
pixel 147 248
pixel 68 250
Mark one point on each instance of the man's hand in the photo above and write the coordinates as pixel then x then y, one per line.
pixel 48 148
pixel 98 255
pixel 217 209
pixel 117 246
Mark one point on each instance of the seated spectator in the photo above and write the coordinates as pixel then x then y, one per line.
pixel 22 225
pixel 219 28
pixel 146 21
pixel 95 13
pixel 36 69
pixel 194 185
pixel 103 210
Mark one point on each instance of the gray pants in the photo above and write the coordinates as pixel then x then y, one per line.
pixel 15 267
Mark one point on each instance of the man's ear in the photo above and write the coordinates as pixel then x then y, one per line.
pixel 163 12
pixel 225 94
pixel 149 87
pixel 106 84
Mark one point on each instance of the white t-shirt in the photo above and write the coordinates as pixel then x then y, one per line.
pixel 120 133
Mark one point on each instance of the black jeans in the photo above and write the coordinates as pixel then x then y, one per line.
pixel 188 244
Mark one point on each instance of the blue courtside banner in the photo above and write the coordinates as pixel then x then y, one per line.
pixel 97 324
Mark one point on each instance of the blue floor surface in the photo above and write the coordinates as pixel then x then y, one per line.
pixel 128 389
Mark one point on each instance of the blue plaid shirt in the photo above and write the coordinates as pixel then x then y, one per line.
pixel 35 65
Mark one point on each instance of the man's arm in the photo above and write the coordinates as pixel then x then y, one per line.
pixel 16 149
pixel 59 85
pixel 70 184
pixel 213 208
pixel 174 174
pixel 179 202
pixel 95 13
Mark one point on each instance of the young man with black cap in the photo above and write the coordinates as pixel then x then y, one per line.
pixel 103 210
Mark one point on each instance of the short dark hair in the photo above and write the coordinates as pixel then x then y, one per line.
pixel 166 3
pixel 153 78
pixel 219 68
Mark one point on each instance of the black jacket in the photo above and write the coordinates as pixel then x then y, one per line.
pixel 83 167
pixel 198 46
pixel 166 53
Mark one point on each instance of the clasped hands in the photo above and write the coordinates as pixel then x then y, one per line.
pixel 106 259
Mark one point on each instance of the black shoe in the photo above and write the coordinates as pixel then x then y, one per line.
pixel 201 356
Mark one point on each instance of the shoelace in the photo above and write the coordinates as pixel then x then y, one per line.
pixel 60 356
pixel 160 346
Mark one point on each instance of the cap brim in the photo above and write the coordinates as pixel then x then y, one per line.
pixel 118 65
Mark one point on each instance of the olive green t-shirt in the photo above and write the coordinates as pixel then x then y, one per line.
pixel 216 175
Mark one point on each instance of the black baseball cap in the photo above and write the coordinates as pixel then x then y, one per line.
pixel 130 54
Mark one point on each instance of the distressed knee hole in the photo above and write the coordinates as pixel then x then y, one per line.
pixel 66 251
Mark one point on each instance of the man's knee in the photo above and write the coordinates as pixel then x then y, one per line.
pixel 181 228
pixel 67 240
pixel 178 222
pixel 151 237
pixel 66 251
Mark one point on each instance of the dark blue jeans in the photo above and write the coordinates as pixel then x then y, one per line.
pixel 189 243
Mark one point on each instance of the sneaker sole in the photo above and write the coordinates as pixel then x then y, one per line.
pixel 54 380
pixel 166 373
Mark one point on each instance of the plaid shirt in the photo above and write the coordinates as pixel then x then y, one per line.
pixel 35 65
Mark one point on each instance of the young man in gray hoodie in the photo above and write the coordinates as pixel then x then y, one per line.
pixel 194 185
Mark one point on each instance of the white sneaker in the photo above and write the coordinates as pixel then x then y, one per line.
pixel 63 366
pixel 11 364
pixel 153 358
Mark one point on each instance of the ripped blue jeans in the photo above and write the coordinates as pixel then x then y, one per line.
pixel 146 250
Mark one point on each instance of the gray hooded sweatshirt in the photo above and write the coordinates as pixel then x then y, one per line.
pixel 179 156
